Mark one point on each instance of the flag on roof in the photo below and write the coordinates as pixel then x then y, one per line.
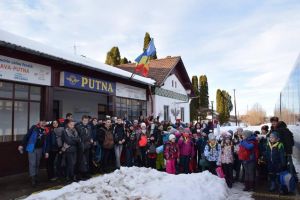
pixel 142 60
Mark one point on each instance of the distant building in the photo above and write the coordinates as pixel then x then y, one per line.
pixel 287 107
pixel 169 97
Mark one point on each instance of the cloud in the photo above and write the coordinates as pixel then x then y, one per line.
pixel 247 45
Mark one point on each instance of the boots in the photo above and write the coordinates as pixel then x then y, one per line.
pixel 251 185
pixel 33 181
pixel 272 186
pixel 247 186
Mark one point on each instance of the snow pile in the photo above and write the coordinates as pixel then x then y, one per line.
pixel 142 184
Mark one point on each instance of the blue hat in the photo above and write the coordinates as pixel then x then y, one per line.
pixel 274 134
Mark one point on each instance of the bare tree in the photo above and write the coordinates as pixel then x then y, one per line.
pixel 255 116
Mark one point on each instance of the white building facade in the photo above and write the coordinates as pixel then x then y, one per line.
pixel 169 97
pixel 171 101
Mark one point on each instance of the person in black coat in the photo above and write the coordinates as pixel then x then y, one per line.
pixel 130 145
pixel 85 134
pixel 54 140
pixel 119 139
pixel 71 142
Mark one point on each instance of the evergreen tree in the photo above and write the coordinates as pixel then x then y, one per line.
pixel 113 57
pixel 224 105
pixel 124 61
pixel 204 102
pixel 147 40
pixel 194 105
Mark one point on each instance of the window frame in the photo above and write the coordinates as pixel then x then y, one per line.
pixel 13 99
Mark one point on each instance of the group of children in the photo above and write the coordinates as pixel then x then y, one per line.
pixel 75 150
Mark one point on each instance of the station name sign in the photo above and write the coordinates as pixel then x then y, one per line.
pixel 77 81
pixel 23 71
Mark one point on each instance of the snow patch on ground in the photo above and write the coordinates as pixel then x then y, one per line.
pixel 143 184
pixel 237 193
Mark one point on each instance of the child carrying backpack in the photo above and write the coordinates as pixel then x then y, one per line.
pixel 248 154
pixel 275 160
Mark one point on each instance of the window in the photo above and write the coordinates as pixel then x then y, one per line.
pixel 6 120
pixel 182 114
pixel 166 113
pixel 6 90
pixel 172 83
pixel 19 109
pixel 130 108
pixel 175 84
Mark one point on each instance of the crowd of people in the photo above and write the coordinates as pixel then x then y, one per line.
pixel 75 150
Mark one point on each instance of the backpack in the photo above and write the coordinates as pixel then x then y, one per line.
pixel 108 139
pixel 152 149
pixel 287 182
pixel 143 141
pixel 243 153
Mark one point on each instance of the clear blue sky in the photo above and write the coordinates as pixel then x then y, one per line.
pixel 249 45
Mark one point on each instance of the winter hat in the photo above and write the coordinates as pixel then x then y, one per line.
pixel 247 133
pixel 171 137
pixel 274 134
pixel 239 129
pixel 187 130
pixel 231 132
pixel 211 136
pixel 143 124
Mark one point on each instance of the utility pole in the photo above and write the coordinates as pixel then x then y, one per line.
pixel 280 105
pixel 212 111
pixel 236 120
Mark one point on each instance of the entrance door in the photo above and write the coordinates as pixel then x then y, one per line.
pixel 56 106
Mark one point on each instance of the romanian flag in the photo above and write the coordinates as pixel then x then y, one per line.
pixel 142 60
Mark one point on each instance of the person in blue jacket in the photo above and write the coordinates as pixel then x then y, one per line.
pixel 35 143
pixel 275 159
pixel 248 150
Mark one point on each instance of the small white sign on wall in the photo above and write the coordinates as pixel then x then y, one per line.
pixel 129 91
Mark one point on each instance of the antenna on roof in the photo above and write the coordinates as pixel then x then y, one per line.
pixel 75 49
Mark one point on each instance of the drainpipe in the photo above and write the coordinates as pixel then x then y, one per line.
pixel 152 103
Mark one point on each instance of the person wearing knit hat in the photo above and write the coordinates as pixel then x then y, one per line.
pixel 248 154
pixel 246 134
pixel 211 136
pixel 171 154
pixel 212 151
pixel 275 157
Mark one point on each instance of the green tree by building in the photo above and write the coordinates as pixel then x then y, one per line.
pixel 224 105
pixel 147 40
pixel 194 105
pixel 113 57
pixel 203 97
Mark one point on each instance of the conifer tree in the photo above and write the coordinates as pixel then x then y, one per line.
pixel 147 40
pixel 113 57
pixel 194 105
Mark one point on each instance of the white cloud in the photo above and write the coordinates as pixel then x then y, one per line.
pixel 246 45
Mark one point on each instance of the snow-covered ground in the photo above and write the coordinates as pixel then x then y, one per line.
pixel 143 184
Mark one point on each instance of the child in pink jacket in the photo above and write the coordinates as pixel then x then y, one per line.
pixel 186 148
pixel 171 154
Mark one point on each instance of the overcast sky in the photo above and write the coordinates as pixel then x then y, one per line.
pixel 249 45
